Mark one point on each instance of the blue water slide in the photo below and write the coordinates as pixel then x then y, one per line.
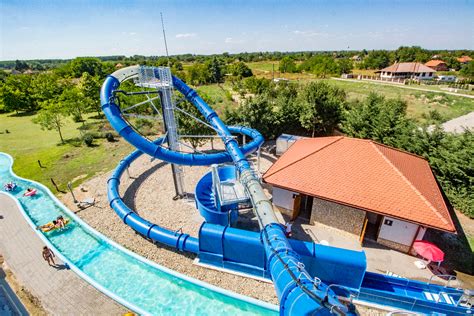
pixel 298 293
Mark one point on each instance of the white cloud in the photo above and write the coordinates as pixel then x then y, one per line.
pixel 129 33
pixel 230 40
pixel 186 35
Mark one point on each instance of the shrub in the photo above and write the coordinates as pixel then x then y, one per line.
pixel 88 139
pixel 110 137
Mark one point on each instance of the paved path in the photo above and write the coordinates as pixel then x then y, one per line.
pixel 405 87
pixel 459 124
pixel 61 292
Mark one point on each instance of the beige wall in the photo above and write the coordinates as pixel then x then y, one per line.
pixel 393 245
pixel 338 216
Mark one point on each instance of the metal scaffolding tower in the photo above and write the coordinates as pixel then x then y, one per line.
pixel 160 78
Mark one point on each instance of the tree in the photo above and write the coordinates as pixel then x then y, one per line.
pixel 468 70
pixel 287 64
pixel 215 70
pixel 80 65
pixel 379 119
pixel 345 65
pixel 74 103
pixel 240 70
pixel 322 106
pixel 256 112
pixel 376 59
pixel 45 86
pixel 16 94
pixel 321 65
pixel 411 54
pixel 21 65
pixel 51 117
pixel 190 126
pixel 198 74
pixel 89 87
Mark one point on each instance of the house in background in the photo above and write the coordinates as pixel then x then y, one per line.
pixel 416 71
pixel 437 65
pixel 367 189
pixel 464 59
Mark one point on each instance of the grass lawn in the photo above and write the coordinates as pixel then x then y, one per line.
pixel 218 94
pixel 71 162
pixel 264 69
pixel 419 102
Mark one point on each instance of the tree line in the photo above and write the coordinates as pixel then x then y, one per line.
pixel 318 109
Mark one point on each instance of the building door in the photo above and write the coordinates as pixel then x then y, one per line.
pixel 296 206
pixel 373 226
pixel 305 207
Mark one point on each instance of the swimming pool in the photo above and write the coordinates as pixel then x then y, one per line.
pixel 135 282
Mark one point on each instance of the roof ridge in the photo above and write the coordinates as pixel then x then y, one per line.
pixel 397 149
pixel 337 138
pixel 418 193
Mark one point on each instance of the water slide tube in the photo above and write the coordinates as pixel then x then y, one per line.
pixel 297 292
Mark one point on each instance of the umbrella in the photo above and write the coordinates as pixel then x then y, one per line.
pixel 428 250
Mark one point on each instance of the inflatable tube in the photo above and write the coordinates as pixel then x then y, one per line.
pixel 50 227
pixel 9 186
pixel 30 193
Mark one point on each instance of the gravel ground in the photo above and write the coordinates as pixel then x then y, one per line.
pixel 149 191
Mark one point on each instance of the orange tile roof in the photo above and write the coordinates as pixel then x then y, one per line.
pixel 464 59
pixel 408 67
pixel 434 63
pixel 365 175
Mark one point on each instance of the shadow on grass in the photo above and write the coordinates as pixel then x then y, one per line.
pixel 21 114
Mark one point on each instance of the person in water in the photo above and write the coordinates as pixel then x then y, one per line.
pixel 50 225
pixel 60 222
pixel 48 256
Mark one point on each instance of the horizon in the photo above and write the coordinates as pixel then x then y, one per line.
pixel 55 30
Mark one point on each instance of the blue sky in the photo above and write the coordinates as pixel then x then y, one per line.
pixel 33 29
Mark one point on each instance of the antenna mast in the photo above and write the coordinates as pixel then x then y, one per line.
pixel 164 37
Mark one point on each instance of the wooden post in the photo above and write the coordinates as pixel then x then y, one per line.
pixel 296 207
pixel 362 234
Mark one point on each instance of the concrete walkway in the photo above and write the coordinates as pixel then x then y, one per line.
pixel 60 291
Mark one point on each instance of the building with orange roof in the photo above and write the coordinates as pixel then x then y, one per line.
pixel 464 59
pixel 362 187
pixel 416 71
pixel 437 65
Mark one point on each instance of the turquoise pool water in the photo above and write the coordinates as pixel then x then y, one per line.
pixel 145 286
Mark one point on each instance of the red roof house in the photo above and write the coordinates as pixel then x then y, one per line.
pixel 464 59
pixel 355 183
pixel 437 65
pixel 407 71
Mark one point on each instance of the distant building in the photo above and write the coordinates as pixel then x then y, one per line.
pixel 407 71
pixel 364 188
pixel 118 66
pixel 437 65
pixel 464 59
pixel 356 58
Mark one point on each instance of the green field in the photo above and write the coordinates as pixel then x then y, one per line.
pixel 219 95
pixel 419 102
pixel 70 162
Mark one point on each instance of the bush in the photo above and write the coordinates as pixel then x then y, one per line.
pixel 110 137
pixel 88 139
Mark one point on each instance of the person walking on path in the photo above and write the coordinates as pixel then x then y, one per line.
pixel 48 256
